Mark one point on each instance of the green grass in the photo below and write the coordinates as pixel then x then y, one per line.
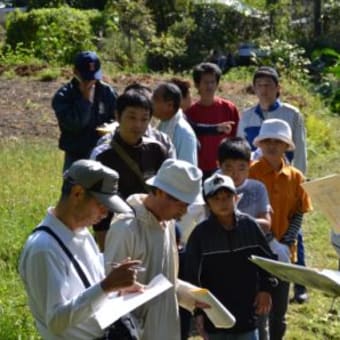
pixel 30 177
pixel 29 183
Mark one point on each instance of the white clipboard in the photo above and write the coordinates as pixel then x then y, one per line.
pixel 219 315
pixel 116 306
pixel 327 280
pixel 325 193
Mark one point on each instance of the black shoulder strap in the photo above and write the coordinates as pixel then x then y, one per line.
pixel 130 163
pixel 76 265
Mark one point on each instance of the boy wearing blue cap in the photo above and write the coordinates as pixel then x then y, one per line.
pixel 82 105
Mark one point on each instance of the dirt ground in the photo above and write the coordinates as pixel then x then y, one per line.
pixel 25 103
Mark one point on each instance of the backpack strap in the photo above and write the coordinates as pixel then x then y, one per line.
pixel 130 163
pixel 75 263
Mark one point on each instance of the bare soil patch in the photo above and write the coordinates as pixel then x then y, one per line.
pixel 25 103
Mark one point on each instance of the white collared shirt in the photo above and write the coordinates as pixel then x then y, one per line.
pixel 62 307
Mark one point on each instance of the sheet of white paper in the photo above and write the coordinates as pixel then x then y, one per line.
pixel 326 280
pixel 117 306
pixel 217 313
pixel 325 194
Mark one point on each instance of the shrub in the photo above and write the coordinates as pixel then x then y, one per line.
pixel 286 57
pixel 220 27
pixel 33 4
pixel 53 34
pixel 18 56
pixel 204 27
pixel 84 4
pixel 163 52
pixel 128 29
pixel 326 72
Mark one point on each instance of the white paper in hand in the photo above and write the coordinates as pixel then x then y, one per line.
pixel 116 306
pixel 217 313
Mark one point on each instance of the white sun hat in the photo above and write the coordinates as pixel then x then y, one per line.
pixel 275 129
pixel 179 179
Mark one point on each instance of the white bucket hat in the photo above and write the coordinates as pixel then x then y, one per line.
pixel 179 179
pixel 216 182
pixel 275 129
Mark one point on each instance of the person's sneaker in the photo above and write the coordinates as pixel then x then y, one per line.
pixel 301 298
pixel 300 294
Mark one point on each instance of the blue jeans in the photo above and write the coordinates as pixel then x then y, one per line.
pixel 299 289
pixel 252 335
pixel 300 250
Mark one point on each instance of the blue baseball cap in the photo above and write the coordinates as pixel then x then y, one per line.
pixel 87 64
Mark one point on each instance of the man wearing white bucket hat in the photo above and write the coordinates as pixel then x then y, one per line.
pixel 288 199
pixel 148 234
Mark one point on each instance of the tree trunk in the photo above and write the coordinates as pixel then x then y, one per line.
pixel 317 18
pixel 270 4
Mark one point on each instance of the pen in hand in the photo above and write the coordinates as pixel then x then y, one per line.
pixel 136 267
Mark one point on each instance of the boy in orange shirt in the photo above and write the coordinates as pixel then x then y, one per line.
pixel 289 202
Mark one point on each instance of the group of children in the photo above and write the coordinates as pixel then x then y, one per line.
pixel 255 208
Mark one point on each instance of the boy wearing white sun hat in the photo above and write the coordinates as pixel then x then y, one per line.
pixel 288 199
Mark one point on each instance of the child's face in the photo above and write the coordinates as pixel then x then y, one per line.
pixel 237 169
pixel 207 86
pixel 273 149
pixel 133 123
pixel 222 203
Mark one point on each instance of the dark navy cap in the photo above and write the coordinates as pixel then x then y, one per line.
pixel 87 64
pixel 266 71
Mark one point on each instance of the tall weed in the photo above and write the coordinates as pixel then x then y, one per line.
pixel 29 182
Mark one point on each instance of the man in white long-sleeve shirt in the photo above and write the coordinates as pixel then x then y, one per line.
pixel 267 89
pixel 62 301
pixel 149 235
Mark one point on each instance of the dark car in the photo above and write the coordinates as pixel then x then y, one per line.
pixel 247 54
pixel 9 6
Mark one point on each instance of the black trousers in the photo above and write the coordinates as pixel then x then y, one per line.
pixel 277 316
pixel 122 329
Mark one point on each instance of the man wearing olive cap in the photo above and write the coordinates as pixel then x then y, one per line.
pixel 63 298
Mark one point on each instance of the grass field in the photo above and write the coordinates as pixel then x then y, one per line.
pixel 30 180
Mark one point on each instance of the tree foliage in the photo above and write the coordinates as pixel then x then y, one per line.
pixel 129 29
pixel 81 4
pixel 53 34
